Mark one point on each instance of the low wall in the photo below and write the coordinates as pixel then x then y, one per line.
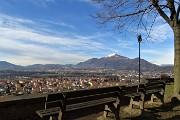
pixel 25 107
pixel 21 107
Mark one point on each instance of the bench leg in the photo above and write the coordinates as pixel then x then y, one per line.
pixel 53 118
pixel 159 96
pixel 61 115
pixel 162 99
pixel 112 108
pixel 139 103
pixel 152 98
pixel 115 110
pixel 106 111
pixel 131 103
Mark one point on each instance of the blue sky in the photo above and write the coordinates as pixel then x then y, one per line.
pixel 63 32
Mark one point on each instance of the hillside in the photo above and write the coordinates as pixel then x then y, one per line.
pixel 118 62
pixel 7 65
pixel 115 61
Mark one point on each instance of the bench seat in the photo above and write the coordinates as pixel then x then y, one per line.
pixel 90 104
pixel 48 112
pixel 153 91
pixel 132 95
pixel 145 93
pixel 55 111
pixel 57 104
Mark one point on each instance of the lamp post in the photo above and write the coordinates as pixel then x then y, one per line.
pixel 139 41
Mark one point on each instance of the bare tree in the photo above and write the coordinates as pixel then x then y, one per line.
pixel 131 14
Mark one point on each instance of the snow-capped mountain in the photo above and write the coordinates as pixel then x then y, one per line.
pixel 115 61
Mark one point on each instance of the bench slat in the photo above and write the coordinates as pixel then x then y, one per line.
pixel 91 97
pixel 134 94
pixel 153 91
pixel 48 112
pixel 53 104
pixel 90 104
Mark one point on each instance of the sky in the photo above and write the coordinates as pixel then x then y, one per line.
pixel 64 32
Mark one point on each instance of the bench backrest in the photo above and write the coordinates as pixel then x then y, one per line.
pixel 155 85
pixel 73 97
pixel 54 100
pixel 78 96
pixel 133 89
pixel 129 89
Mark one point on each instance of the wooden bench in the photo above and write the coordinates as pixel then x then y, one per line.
pixel 169 81
pixel 166 80
pixel 133 95
pixel 155 90
pixel 146 92
pixel 59 103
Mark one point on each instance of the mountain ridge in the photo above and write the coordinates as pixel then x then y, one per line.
pixel 113 61
pixel 118 62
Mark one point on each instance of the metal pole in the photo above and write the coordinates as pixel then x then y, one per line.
pixel 139 63
pixel 139 41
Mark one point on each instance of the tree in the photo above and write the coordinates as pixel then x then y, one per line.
pixel 131 14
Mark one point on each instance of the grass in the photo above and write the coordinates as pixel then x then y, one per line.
pixel 168 92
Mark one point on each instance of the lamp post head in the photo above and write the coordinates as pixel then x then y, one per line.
pixel 139 38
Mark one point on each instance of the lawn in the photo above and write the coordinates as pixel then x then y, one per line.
pixel 168 93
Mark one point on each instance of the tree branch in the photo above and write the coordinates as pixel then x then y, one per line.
pixel 126 15
pixel 177 14
pixel 161 12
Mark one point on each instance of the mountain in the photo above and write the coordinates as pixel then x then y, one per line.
pixel 48 66
pixel 7 65
pixel 113 61
pixel 119 62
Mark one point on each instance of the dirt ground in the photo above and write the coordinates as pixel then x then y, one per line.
pixel 156 111
pixel 153 111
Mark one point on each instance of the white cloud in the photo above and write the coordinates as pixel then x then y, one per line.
pixel 42 3
pixel 152 52
pixel 85 0
pixel 25 42
pixel 164 57
pixel 161 33
pixel 26 45
pixel 25 35
pixel 158 30
pixel 88 1
pixel 125 43
pixel 60 24
pixel 6 21
pixel 25 54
